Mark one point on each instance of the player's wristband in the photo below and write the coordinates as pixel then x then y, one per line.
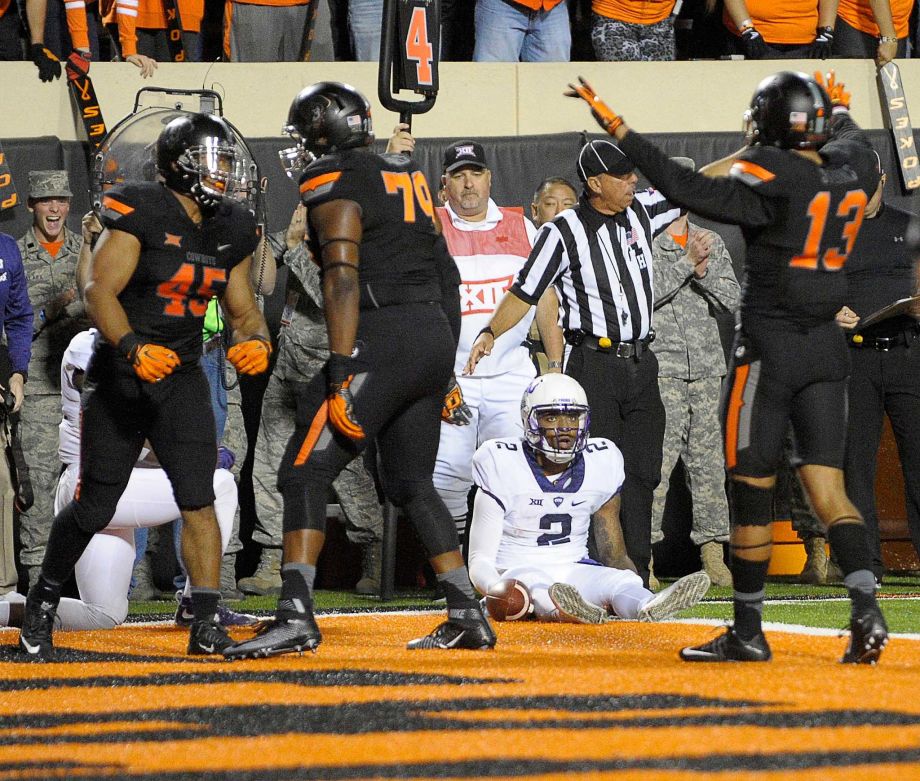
pixel 487 330
pixel 887 39
pixel 554 364
pixel 128 344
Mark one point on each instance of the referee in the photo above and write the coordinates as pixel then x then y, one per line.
pixel 599 256
pixel 885 364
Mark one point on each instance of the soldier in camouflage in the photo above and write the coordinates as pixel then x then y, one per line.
pixel 693 279
pixel 302 352
pixel 50 251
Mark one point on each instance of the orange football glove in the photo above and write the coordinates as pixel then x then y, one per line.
pixel 606 117
pixel 339 375
pixel 835 89
pixel 251 356
pixel 151 362
pixel 455 410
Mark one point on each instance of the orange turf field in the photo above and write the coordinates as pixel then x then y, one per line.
pixel 551 701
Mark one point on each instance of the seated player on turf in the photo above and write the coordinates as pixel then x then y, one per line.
pixel 103 572
pixel 538 497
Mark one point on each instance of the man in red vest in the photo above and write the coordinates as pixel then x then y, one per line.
pixel 490 244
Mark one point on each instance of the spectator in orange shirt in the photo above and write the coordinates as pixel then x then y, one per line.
pixel 778 29
pixel 626 30
pixel 267 30
pixel 876 29
pixel 143 35
pixel 522 31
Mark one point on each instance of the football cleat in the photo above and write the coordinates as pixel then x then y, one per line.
pixel 279 636
pixel 465 628
pixel 206 638
pixel 868 637
pixel 729 647
pixel 225 616
pixel 574 608
pixel 680 595
pixel 37 627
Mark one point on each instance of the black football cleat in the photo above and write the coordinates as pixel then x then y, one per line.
pixel 465 628
pixel 207 638
pixel 37 627
pixel 868 637
pixel 729 647
pixel 279 636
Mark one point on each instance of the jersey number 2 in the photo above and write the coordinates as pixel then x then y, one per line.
pixel 555 538
pixel 413 188
pixel 181 295
pixel 853 205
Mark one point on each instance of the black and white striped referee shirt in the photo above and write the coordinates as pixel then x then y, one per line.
pixel 601 265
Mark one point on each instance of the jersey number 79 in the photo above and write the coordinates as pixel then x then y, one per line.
pixel 413 188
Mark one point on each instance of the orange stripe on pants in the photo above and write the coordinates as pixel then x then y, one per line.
pixel 312 435
pixel 735 403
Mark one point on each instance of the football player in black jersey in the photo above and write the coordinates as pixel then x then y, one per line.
pixel 167 249
pixel 392 308
pixel 799 192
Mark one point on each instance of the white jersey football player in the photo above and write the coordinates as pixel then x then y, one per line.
pixel 538 499
pixel 103 572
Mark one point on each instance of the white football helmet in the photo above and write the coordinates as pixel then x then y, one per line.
pixel 555 392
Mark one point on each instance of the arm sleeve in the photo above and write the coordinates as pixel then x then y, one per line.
pixel 17 318
pixel 75 11
pixel 720 285
pixel 724 199
pixel 672 271
pixel 546 261
pixel 126 14
pixel 449 278
pixel 485 537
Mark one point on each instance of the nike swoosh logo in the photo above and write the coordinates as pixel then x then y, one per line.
pixel 208 649
pixel 31 649
pixel 575 504
pixel 456 640
pixel 223 247
pixel 186 616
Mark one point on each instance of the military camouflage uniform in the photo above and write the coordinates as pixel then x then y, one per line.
pixel 691 366
pixel 302 351
pixel 41 412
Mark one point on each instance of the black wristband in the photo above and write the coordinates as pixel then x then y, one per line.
pixel 128 344
pixel 339 368
pixel 487 330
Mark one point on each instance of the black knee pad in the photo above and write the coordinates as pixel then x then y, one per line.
pixel 92 513
pixel 433 523
pixel 750 505
pixel 304 506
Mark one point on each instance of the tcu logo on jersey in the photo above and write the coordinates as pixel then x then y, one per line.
pixel 482 296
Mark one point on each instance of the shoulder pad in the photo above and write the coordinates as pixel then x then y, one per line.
pixel 121 204
pixel 321 177
pixel 757 165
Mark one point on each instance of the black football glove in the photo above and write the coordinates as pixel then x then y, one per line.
pixel 755 48
pixel 823 43
pixel 340 372
pixel 455 410
pixel 49 66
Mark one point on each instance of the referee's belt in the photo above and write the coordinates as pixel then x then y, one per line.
pixel 603 344
pixel 901 337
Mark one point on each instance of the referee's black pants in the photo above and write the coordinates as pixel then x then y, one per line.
pixel 884 382
pixel 626 408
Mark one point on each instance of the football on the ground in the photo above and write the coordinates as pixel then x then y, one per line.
pixel 508 600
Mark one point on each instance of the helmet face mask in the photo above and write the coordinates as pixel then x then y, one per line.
pixel 197 156
pixel 326 117
pixel 789 111
pixel 556 395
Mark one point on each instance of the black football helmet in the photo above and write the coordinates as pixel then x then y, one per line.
pixel 197 155
pixel 326 117
pixel 790 111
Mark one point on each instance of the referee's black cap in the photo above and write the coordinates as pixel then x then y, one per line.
pixel 602 157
